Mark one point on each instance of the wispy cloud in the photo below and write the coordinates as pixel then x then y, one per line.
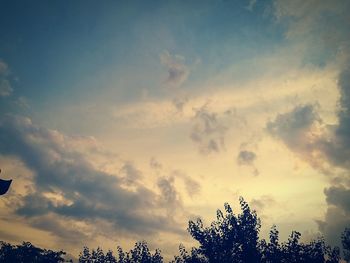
pixel 208 133
pixel 251 5
pixel 178 71
pixel 246 157
pixel 5 86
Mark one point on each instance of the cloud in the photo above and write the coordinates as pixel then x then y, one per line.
pixel 246 157
pixel 306 19
pixel 179 103
pixel 130 173
pixel 192 186
pixel 155 164
pixel 292 126
pixel 260 203
pixel 64 229
pixel 178 72
pixel 338 196
pixel 67 185
pixel 208 133
pixel 303 132
pixel 338 150
pixel 251 5
pixel 337 216
pixel 5 86
pixel 170 198
pixel 324 147
pixel 22 102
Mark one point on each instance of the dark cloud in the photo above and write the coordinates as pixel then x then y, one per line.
pixel 338 149
pixel 61 228
pixel 338 196
pixel 292 126
pixel 246 157
pixel 337 217
pixel 333 224
pixel 300 130
pixel 324 147
pixel 169 195
pixel 304 133
pixel 192 186
pixel 208 132
pixel 85 193
pixel 177 70
pixel 333 35
pixel 130 173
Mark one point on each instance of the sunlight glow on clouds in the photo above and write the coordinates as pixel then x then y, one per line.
pixel 137 120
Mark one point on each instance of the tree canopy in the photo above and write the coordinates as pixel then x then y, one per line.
pixel 235 238
pixel 26 252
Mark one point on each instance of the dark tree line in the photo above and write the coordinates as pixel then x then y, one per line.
pixel 230 238
pixel 27 253
pixel 140 253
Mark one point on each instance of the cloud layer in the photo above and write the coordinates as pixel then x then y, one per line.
pixel 67 185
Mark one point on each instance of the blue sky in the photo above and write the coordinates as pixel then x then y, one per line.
pixel 72 50
pixel 178 106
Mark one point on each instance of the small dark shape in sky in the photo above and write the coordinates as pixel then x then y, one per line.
pixel 4 185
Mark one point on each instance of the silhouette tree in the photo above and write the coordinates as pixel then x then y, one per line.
pixel 139 254
pixel 109 258
pixel 345 238
pixel 230 238
pixel 97 256
pixel 26 252
pixel 271 252
pixel 235 238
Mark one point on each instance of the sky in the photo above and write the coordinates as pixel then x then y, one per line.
pixel 122 120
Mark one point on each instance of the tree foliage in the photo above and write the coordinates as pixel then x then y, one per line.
pixel 345 238
pixel 26 252
pixel 235 238
pixel 139 254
